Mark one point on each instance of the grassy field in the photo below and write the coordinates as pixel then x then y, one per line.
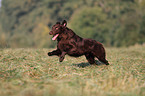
pixel 30 72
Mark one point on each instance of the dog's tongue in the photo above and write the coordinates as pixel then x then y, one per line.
pixel 54 38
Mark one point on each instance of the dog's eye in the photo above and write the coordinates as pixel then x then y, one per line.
pixel 56 28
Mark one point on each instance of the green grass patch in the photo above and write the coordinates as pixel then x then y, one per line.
pixel 30 72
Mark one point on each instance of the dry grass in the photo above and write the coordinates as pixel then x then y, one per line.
pixel 30 72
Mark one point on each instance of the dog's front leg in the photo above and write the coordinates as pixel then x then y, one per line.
pixel 55 52
pixel 62 56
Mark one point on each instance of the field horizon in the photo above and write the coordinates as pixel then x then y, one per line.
pixel 30 72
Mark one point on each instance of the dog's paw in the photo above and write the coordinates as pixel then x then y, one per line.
pixel 61 58
pixel 49 54
pixel 107 63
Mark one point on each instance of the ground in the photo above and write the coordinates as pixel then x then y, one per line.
pixel 30 72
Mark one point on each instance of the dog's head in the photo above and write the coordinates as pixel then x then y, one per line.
pixel 58 29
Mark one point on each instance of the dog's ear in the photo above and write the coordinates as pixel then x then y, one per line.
pixel 57 22
pixel 64 23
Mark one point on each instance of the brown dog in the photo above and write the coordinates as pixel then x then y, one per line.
pixel 73 45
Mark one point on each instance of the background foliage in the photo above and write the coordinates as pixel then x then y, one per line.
pixel 26 23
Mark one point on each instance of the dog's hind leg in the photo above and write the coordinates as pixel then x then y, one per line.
pixel 90 58
pixel 102 59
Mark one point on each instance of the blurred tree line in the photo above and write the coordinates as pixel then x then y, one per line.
pixel 26 23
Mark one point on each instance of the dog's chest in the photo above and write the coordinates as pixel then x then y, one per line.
pixel 64 45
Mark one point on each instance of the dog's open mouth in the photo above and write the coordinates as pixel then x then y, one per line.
pixel 55 36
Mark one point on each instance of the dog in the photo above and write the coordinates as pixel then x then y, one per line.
pixel 73 45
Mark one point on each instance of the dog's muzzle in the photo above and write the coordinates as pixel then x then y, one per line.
pixel 50 33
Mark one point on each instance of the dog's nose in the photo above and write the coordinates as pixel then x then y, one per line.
pixel 50 33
